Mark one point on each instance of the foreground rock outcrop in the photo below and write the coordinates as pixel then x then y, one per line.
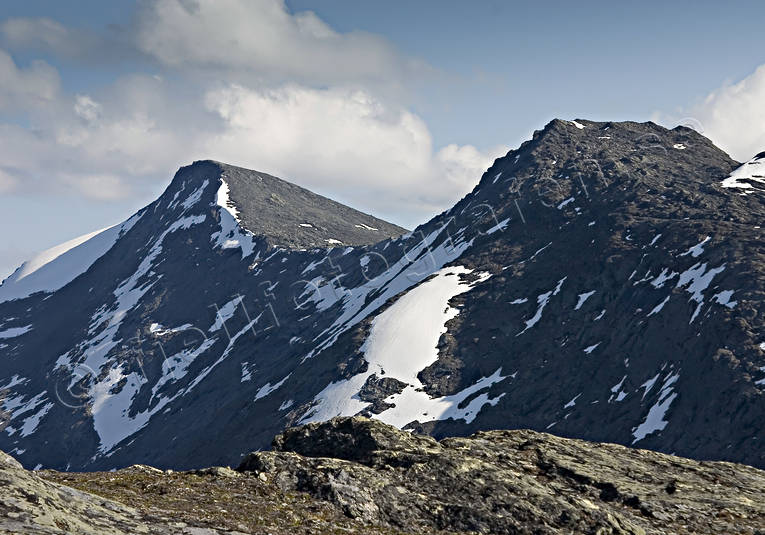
pixel 360 476
pixel 144 500
pixel 510 482
pixel 31 505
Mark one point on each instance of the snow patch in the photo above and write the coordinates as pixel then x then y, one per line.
pixel 176 366
pixel 402 341
pixel 247 370
pixel 658 307
pixel 268 388
pixel 572 403
pixel 499 226
pixel 231 235
pixel 30 424
pixel 16 406
pixel 195 196
pixel 749 173
pixel 590 349
pixel 654 420
pixel 15 332
pixel 617 394
pixel 663 277
pixel 697 279
pixel 542 301
pixel 418 263
pixel 158 330
pixel 225 313
pixel 582 298
pixel 722 298
pixel 697 249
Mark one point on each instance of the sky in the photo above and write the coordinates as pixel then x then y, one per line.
pixel 395 108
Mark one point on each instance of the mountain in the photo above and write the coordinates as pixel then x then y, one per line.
pixel 603 281
pixel 359 476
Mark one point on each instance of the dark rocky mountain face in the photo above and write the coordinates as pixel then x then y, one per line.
pixel 604 281
pixel 293 217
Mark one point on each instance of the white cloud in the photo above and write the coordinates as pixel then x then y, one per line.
pixel 87 108
pixel 733 117
pixel 103 149
pixel 344 143
pixel 22 88
pixel 251 84
pixel 263 37
pixel 348 142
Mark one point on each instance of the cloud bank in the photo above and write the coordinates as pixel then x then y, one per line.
pixel 263 37
pixel 245 82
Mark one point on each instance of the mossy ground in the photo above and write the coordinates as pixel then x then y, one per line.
pixel 210 499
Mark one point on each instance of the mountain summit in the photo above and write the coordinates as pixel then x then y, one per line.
pixel 284 214
pixel 603 281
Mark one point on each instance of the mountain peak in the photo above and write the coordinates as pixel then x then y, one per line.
pixel 603 153
pixel 638 132
pixel 284 214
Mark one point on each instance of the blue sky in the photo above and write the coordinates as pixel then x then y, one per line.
pixel 392 107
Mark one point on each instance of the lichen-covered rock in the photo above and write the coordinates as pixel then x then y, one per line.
pixel 361 477
pixel 352 439
pixel 513 482
pixel 30 505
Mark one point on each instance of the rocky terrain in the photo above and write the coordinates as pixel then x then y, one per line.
pixel 603 281
pixel 359 476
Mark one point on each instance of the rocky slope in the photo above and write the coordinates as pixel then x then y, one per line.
pixel 31 505
pixel 603 281
pixel 360 476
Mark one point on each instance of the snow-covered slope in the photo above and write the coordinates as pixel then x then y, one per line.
pixel 403 341
pixel 749 176
pixel 58 266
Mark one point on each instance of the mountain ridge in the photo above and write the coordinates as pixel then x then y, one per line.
pixel 598 282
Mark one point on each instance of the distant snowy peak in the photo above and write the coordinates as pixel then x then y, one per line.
pixel 750 176
pixel 56 267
